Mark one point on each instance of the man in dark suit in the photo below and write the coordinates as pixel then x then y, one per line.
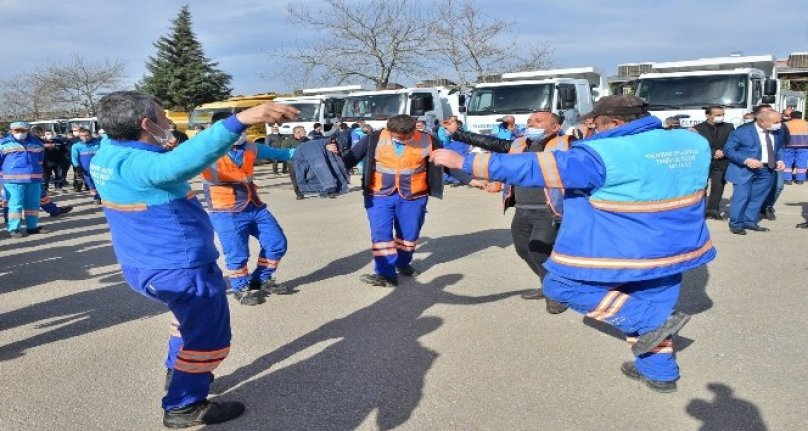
pixel 716 131
pixel 755 152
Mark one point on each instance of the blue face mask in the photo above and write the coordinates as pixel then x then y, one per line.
pixel 534 133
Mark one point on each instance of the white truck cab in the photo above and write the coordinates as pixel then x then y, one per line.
pixel 90 123
pixel 316 105
pixel 376 107
pixel 58 126
pixel 567 92
pixel 686 88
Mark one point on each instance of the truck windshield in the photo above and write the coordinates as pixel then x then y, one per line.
pixel 694 91
pixel 309 112
pixel 511 99
pixel 203 116
pixel 86 124
pixel 373 106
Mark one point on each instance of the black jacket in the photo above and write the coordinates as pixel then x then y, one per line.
pixel 367 146
pixel 716 135
pixel 497 145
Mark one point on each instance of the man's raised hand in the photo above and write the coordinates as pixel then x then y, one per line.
pixel 268 113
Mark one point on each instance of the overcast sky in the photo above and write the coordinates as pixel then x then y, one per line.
pixel 238 33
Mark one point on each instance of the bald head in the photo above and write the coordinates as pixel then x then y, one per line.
pixel 769 119
pixel 551 123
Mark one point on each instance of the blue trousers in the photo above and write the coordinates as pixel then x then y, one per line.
pixel 748 198
pixel 386 215
pixel 88 180
pixel 22 203
pixel 795 157
pixel 634 308
pixel 196 297
pixel 45 203
pixel 234 231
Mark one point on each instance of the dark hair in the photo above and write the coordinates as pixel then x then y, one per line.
pixel 627 118
pixel 221 115
pixel 756 109
pixel 317 125
pixel 402 123
pixel 85 130
pixel 120 113
pixel 796 115
pixel 709 110
pixel 355 126
pixel 343 126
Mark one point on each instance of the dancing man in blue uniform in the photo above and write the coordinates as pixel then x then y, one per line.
pixel 633 223
pixel 163 238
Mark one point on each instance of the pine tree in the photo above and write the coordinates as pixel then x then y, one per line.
pixel 179 74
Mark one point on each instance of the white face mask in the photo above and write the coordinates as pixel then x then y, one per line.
pixel 167 135
pixel 534 133
pixel 775 127
pixel 718 120
pixel 20 136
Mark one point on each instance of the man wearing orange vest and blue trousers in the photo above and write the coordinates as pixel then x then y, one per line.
pixel 236 212
pixel 633 223
pixel 397 180
pixel 163 238
pixel 796 151
pixel 21 157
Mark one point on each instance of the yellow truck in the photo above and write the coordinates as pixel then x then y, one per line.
pixel 180 119
pixel 201 115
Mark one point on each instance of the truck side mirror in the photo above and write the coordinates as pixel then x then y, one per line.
pixel 768 99
pixel 461 100
pixel 461 109
pixel 770 87
pixel 417 107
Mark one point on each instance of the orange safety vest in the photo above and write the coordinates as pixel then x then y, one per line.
pixel 554 196
pixel 798 129
pixel 406 174
pixel 229 187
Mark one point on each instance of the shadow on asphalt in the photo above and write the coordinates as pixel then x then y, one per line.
pixel 338 374
pixel 725 412
pixel 76 315
pixel 441 250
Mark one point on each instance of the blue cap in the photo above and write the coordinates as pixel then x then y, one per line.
pixel 19 125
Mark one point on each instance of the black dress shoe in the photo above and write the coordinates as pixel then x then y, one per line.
pixel 737 231
pixel 789 182
pixel 757 228
pixel 630 371
pixel 768 213
pixel 649 340
pixel 533 294
pixel 202 413
pixel 799 182
pixel 714 215
pixel 803 225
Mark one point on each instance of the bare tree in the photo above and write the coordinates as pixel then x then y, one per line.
pixel 482 44
pixel 83 82
pixel 372 41
pixel 26 96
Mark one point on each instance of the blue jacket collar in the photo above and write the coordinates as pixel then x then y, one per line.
pixel 138 145
pixel 645 124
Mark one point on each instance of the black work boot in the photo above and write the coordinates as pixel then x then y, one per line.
pixel 274 287
pixel 630 371
pixel 249 297
pixel 202 413
pixel 37 230
pixel 649 340
pixel 16 233
pixel 407 271
pixel 62 211
pixel 554 307
pixel 378 280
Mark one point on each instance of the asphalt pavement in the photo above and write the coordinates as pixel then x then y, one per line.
pixel 454 349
